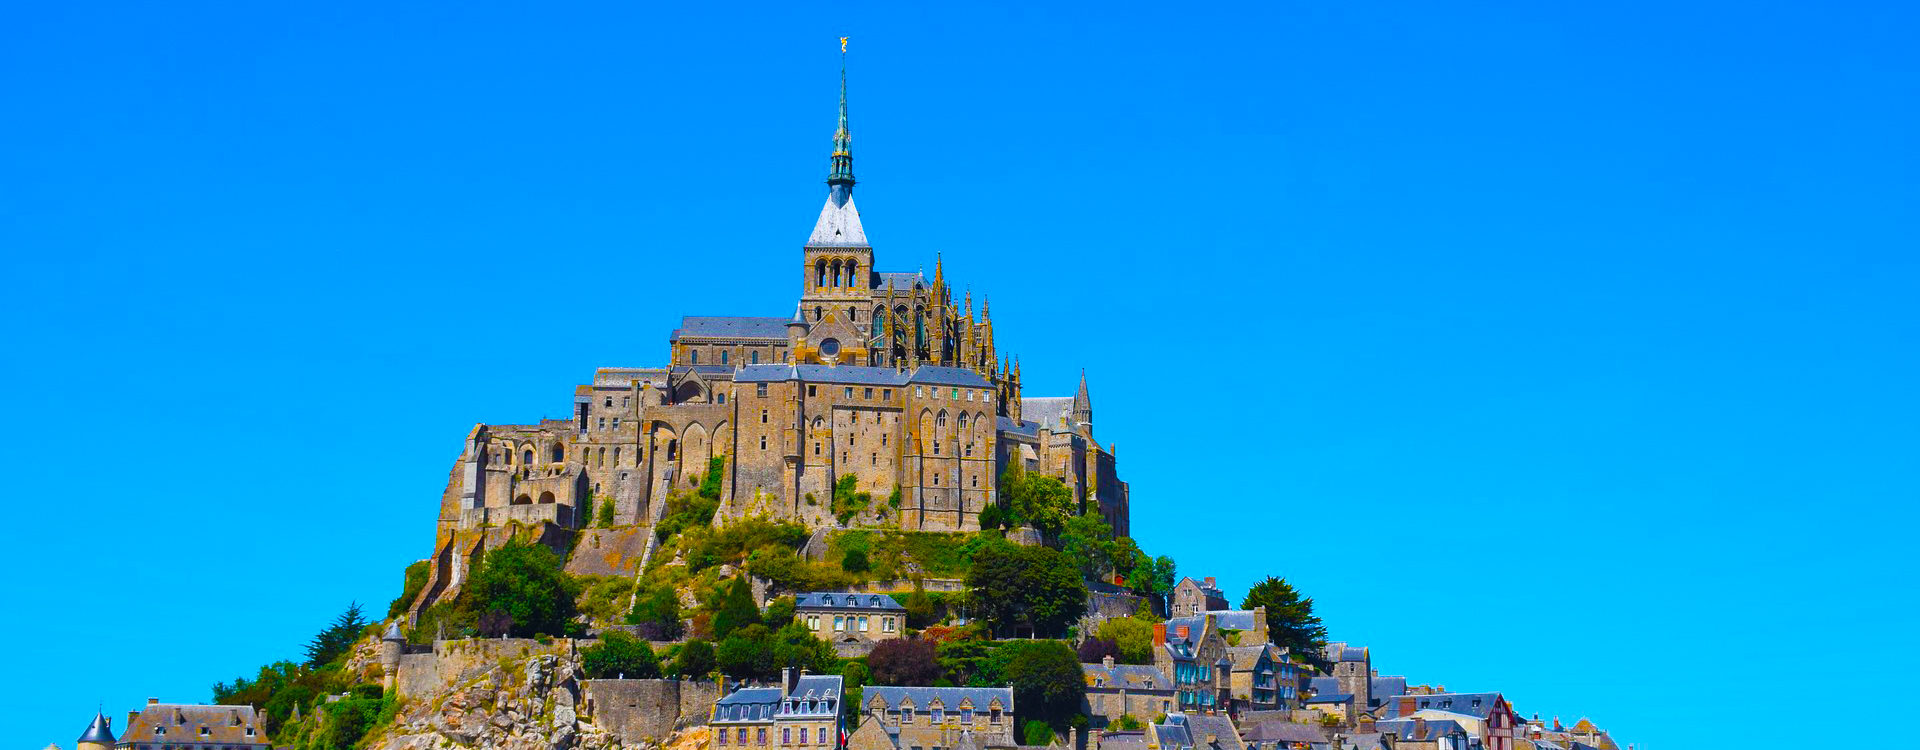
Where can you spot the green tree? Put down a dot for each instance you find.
(1026, 589)
(619, 655)
(1040, 501)
(1132, 636)
(855, 561)
(746, 654)
(736, 609)
(779, 612)
(695, 659)
(524, 581)
(1047, 682)
(336, 639)
(1037, 734)
(1290, 619)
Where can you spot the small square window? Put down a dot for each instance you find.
(813, 391)
(760, 389)
(849, 392)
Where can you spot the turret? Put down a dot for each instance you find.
(390, 646)
(99, 734)
(1082, 413)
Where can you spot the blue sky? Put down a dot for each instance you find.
(1549, 348)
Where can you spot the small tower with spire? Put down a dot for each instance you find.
(1082, 412)
(99, 734)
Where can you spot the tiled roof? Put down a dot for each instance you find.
(731, 327)
(949, 697)
(846, 600)
(1127, 676)
(184, 724)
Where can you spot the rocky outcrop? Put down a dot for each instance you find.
(527, 704)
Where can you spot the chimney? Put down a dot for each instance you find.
(131, 715)
(1073, 738)
(1556, 723)
(1419, 728)
(786, 680)
(1186, 632)
(1210, 582)
(1107, 661)
(1159, 634)
(153, 701)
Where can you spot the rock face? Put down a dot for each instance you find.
(517, 705)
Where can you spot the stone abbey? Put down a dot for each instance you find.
(877, 376)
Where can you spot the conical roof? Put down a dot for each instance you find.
(101, 730)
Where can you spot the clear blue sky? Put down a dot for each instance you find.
(1550, 348)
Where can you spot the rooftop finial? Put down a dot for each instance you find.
(840, 181)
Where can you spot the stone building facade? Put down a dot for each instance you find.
(956, 718)
(880, 379)
(850, 619)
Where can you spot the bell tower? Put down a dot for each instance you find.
(837, 262)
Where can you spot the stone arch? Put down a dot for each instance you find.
(546, 498)
(820, 273)
(523, 499)
(694, 444)
(558, 451)
(690, 391)
(526, 455)
(853, 271)
(722, 439)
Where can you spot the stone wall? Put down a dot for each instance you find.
(637, 710)
(454, 662)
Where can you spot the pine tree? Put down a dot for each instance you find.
(1290, 619)
(334, 641)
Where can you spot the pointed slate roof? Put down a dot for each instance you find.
(839, 226)
(101, 731)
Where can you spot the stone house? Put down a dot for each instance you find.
(1421, 733)
(1262, 677)
(1115, 690)
(1352, 671)
(850, 618)
(934, 718)
(1192, 653)
(1489, 715)
(1191, 597)
(801, 713)
(162, 726)
(1283, 735)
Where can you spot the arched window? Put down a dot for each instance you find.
(696, 356)
(546, 498)
(559, 453)
(820, 273)
(940, 421)
(601, 461)
(527, 458)
(616, 456)
(853, 266)
(723, 356)
(753, 357)
(963, 421)
(836, 273)
(853, 315)
(819, 312)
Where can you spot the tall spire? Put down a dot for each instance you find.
(840, 181)
(1082, 404)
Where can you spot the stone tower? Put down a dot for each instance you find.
(99, 734)
(837, 261)
(390, 646)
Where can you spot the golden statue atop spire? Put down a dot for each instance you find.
(843, 45)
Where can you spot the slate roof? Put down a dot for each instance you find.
(1284, 731)
(225, 725)
(1460, 703)
(1367, 741)
(1046, 411)
(101, 730)
(1435, 728)
(902, 282)
(1123, 741)
(814, 695)
(949, 697)
(731, 327)
(1324, 685)
(1330, 698)
(1029, 429)
(1127, 676)
(845, 600)
(1245, 657)
(747, 704)
(1191, 730)
(1390, 686)
(859, 375)
(838, 226)
(1351, 653)
(1233, 619)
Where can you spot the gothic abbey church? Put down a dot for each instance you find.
(876, 376)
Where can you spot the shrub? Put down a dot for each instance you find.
(657, 611)
(735, 610)
(686, 511)
(848, 501)
(1036, 733)
(695, 659)
(604, 598)
(605, 516)
(779, 611)
(855, 561)
(899, 661)
(619, 655)
(992, 517)
(524, 582)
(1126, 723)
(710, 482)
(1132, 638)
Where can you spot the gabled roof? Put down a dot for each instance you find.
(1461, 703)
(950, 698)
(1246, 657)
(731, 327)
(838, 226)
(1126, 676)
(1049, 412)
(1284, 731)
(183, 722)
(846, 600)
(902, 282)
(1387, 686)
